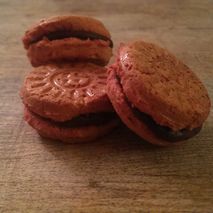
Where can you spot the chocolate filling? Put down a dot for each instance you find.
(91, 119)
(163, 132)
(76, 34)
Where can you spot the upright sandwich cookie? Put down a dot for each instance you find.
(68, 38)
(156, 95)
(68, 102)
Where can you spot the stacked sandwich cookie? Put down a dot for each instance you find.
(65, 95)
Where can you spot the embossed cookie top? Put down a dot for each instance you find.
(64, 91)
(159, 84)
(66, 24)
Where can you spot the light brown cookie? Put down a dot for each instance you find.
(68, 102)
(85, 133)
(63, 91)
(68, 38)
(161, 92)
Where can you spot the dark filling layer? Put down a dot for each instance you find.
(163, 132)
(91, 119)
(76, 34)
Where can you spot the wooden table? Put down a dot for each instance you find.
(119, 173)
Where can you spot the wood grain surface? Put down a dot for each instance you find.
(120, 173)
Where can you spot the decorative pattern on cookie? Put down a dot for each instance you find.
(61, 92)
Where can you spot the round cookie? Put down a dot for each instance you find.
(68, 101)
(63, 91)
(164, 100)
(48, 129)
(68, 38)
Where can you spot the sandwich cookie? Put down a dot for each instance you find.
(68, 102)
(68, 38)
(156, 95)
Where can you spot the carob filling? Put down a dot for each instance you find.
(163, 132)
(76, 34)
(91, 119)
